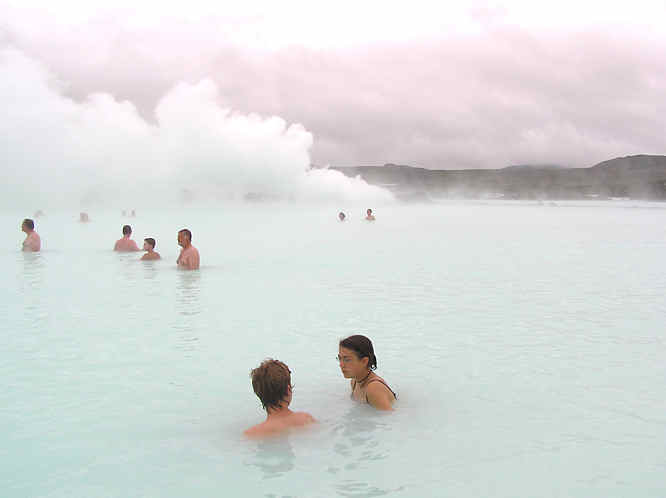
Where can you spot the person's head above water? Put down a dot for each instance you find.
(356, 356)
(271, 382)
(28, 225)
(148, 243)
(369, 212)
(357, 361)
(184, 237)
(127, 230)
(342, 216)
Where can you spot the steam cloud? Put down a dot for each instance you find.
(58, 150)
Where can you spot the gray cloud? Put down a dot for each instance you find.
(504, 95)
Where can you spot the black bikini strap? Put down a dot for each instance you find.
(387, 387)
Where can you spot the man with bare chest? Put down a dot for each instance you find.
(189, 256)
(32, 242)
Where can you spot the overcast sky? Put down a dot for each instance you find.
(467, 85)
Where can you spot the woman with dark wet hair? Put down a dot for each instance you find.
(357, 361)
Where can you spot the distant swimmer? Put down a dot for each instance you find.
(32, 242)
(342, 216)
(133, 213)
(38, 213)
(271, 382)
(126, 244)
(369, 216)
(83, 218)
(124, 213)
(149, 247)
(189, 256)
(357, 360)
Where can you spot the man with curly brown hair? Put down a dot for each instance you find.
(271, 382)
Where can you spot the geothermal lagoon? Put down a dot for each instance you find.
(526, 343)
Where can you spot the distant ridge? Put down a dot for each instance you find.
(524, 167)
(635, 177)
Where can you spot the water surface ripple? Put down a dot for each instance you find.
(526, 344)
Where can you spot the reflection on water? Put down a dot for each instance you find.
(150, 270)
(188, 289)
(127, 271)
(356, 488)
(188, 307)
(274, 457)
(31, 282)
(358, 439)
(33, 268)
(357, 431)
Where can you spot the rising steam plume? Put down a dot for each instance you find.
(60, 151)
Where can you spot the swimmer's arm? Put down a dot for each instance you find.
(378, 396)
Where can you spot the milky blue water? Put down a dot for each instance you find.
(527, 345)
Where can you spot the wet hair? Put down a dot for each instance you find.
(271, 382)
(151, 241)
(29, 223)
(362, 346)
(342, 215)
(186, 232)
(127, 230)
(369, 211)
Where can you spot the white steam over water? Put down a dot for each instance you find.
(102, 151)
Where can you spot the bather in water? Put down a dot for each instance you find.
(357, 361)
(271, 382)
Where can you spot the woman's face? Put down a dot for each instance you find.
(350, 364)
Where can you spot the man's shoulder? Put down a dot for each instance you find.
(302, 418)
(264, 429)
(255, 431)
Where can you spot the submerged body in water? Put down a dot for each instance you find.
(149, 246)
(32, 242)
(189, 255)
(357, 360)
(126, 244)
(271, 382)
